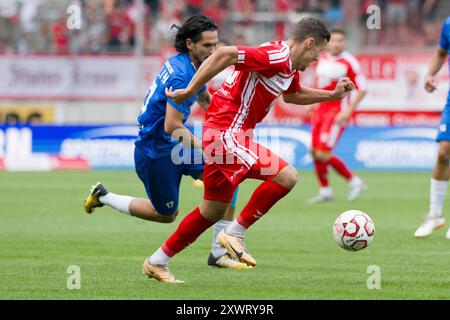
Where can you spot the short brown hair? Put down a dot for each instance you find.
(310, 27)
(340, 31)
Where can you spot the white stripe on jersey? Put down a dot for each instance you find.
(268, 86)
(246, 99)
(241, 56)
(279, 57)
(246, 102)
(169, 67)
(247, 157)
(244, 147)
(242, 97)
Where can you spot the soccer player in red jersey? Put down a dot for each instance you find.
(330, 117)
(261, 75)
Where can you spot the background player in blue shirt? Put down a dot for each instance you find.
(158, 161)
(441, 170)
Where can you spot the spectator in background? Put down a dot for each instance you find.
(153, 5)
(29, 26)
(60, 36)
(332, 12)
(120, 27)
(9, 10)
(96, 27)
(162, 33)
(396, 14)
(216, 10)
(194, 7)
(431, 23)
(313, 6)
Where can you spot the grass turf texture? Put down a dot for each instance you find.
(43, 230)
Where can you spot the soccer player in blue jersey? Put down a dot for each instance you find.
(441, 170)
(158, 161)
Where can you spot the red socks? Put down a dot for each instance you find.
(264, 197)
(340, 167)
(193, 225)
(321, 169)
(321, 173)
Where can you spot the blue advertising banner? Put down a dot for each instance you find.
(111, 146)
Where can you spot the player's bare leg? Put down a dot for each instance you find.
(321, 169)
(323, 159)
(438, 190)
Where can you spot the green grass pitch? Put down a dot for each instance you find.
(43, 231)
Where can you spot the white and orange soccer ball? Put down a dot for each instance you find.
(353, 230)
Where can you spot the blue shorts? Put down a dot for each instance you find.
(444, 125)
(162, 177)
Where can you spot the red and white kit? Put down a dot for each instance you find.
(261, 75)
(325, 133)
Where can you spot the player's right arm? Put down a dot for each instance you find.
(218, 61)
(439, 58)
(436, 64)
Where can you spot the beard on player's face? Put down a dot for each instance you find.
(200, 58)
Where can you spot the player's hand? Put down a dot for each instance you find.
(430, 84)
(342, 117)
(178, 96)
(343, 87)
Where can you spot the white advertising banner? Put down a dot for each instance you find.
(74, 77)
(395, 81)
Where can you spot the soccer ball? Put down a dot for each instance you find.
(353, 230)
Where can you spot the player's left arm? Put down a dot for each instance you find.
(343, 116)
(306, 95)
(204, 99)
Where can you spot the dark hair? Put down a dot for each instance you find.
(192, 29)
(310, 27)
(340, 31)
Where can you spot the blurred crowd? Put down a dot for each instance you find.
(406, 23)
(30, 26)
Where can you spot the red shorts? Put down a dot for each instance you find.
(232, 158)
(325, 133)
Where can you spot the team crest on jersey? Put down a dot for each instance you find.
(443, 127)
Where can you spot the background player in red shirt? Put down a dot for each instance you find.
(330, 117)
(261, 75)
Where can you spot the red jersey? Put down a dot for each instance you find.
(330, 69)
(261, 75)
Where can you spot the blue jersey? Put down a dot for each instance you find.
(177, 72)
(444, 42)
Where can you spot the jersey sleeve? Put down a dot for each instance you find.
(177, 82)
(262, 58)
(295, 85)
(444, 41)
